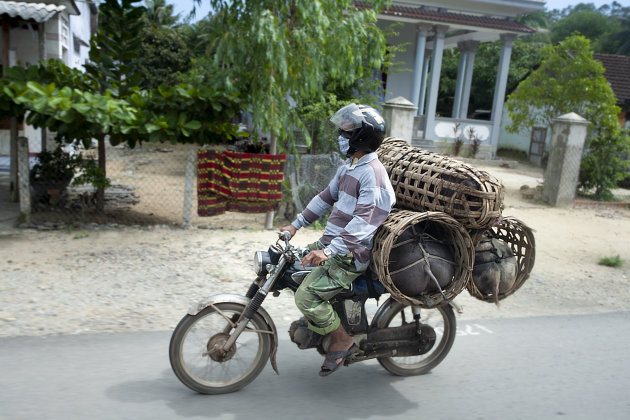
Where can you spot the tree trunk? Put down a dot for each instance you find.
(273, 149)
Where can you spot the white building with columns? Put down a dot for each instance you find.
(430, 27)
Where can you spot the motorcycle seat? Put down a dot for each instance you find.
(361, 287)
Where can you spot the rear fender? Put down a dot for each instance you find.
(242, 300)
(388, 305)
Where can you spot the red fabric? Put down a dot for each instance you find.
(244, 182)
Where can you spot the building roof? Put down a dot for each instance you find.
(439, 16)
(39, 12)
(618, 75)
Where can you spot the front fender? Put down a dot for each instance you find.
(242, 300)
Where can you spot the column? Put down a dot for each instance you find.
(421, 43)
(499, 88)
(434, 81)
(470, 48)
(423, 85)
(459, 84)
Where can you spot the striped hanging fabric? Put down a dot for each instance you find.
(243, 182)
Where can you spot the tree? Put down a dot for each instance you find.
(160, 14)
(570, 80)
(590, 23)
(165, 58)
(623, 36)
(203, 35)
(108, 101)
(280, 54)
(114, 56)
(605, 26)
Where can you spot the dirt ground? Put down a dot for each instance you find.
(106, 279)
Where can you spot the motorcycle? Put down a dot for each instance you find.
(225, 341)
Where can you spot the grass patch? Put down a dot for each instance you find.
(81, 235)
(615, 261)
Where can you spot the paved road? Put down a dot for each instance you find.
(531, 368)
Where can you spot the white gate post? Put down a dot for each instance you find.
(565, 157)
(399, 115)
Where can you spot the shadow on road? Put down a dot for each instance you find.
(298, 392)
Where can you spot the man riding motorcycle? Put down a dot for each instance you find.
(362, 196)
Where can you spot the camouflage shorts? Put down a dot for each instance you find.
(321, 285)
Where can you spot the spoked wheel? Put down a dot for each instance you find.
(199, 360)
(441, 319)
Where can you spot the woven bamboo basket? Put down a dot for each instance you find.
(447, 229)
(520, 239)
(425, 181)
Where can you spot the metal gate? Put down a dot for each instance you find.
(537, 145)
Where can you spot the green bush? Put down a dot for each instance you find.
(511, 153)
(55, 167)
(603, 166)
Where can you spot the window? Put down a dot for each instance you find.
(77, 44)
(64, 33)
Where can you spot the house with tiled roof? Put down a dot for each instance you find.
(35, 30)
(428, 28)
(618, 75)
(39, 30)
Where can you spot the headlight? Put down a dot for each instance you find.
(261, 259)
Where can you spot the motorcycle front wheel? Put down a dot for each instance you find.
(196, 352)
(441, 319)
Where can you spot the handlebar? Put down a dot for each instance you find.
(284, 236)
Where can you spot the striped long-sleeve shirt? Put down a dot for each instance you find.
(363, 197)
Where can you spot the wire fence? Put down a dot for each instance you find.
(150, 186)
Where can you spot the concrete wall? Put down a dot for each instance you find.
(520, 140)
(81, 30)
(24, 43)
(400, 78)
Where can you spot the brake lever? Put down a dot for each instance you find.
(285, 236)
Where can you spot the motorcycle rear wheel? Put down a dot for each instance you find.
(441, 318)
(198, 365)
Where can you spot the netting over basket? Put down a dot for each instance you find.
(520, 239)
(441, 226)
(425, 181)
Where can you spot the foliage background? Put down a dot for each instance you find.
(285, 66)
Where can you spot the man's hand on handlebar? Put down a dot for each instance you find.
(289, 228)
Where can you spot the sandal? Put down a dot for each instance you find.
(330, 362)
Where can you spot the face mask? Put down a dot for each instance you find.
(344, 145)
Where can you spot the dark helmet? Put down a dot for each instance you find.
(362, 124)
